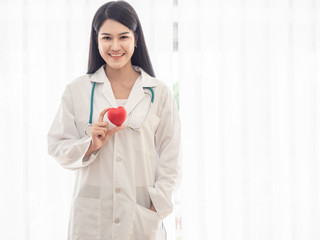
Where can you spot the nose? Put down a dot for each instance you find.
(115, 45)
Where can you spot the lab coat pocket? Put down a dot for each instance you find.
(146, 224)
(86, 218)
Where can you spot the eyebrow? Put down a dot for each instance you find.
(111, 34)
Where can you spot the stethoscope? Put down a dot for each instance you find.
(89, 126)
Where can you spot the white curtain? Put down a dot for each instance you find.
(44, 45)
(250, 107)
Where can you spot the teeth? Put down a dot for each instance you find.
(119, 55)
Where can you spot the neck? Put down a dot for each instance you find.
(123, 74)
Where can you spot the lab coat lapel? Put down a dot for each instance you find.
(108, 93)
(100, 77)
(137, 92)
(136, 95)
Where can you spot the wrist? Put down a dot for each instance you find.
(91, 149)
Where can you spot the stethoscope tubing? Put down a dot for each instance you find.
(152, 92)
(91, 103)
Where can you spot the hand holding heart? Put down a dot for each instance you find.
(100, 131)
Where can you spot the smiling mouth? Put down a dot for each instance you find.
(116, 56)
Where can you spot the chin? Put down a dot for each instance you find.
(117, 66)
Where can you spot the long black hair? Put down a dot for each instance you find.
(123, 13)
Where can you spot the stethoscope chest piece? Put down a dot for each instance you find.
(88, 130)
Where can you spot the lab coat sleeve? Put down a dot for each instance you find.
(167, 140)
(64, 142)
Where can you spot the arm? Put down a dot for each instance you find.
(167, 140)
(90, 150)
(64, 141)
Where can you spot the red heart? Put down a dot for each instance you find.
(117, 115)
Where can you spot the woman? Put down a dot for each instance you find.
(125, 175)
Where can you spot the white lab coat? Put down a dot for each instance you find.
(115, 185)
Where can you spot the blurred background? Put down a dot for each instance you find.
(245, 74)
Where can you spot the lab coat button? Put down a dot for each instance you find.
(116, 220)
(118, 159)
(118, 190)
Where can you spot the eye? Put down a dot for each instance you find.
(106, 38)
(124, 37)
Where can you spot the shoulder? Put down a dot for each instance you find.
(78, 86)
(79, 81)
(160, 85)
(155, 83)
(163, 89)
(163, 93)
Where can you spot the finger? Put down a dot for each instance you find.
(102, 114)
(104, 128)
(100, 124)
(114, 130)
(98, 133)
(100, 128)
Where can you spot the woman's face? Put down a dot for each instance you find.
(116, 44)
